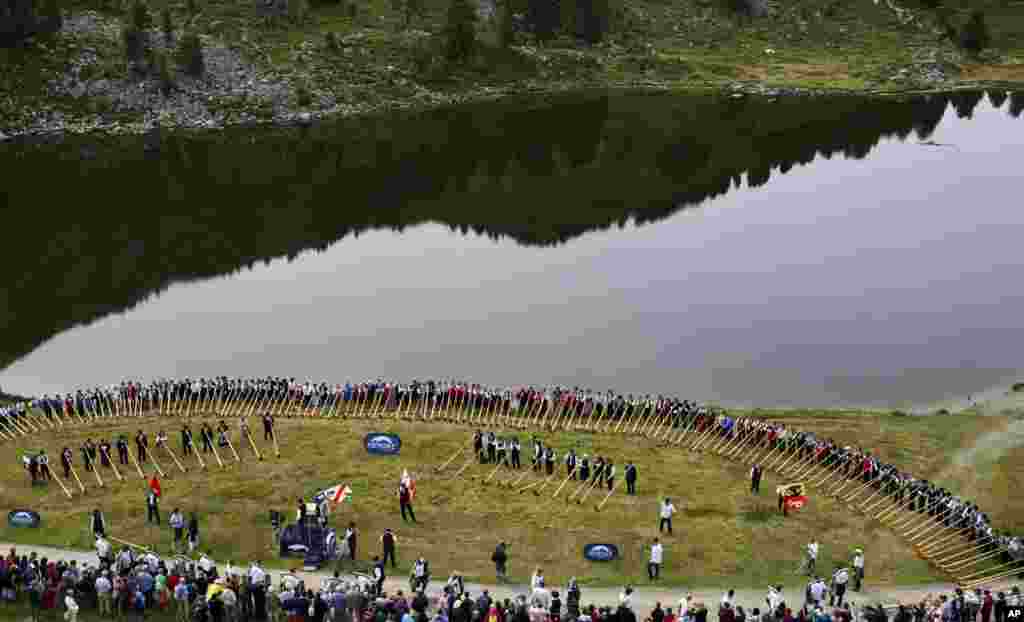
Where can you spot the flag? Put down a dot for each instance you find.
(409, 483)
(154, 485)
(333, 495)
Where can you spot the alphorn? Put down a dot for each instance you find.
(273, 437)
(232, 448)
(464, 467)
(152, 457)
(62, 486)
(213, 446)
(590, 489)
(112, 465)
(137, 467)
(493, 472)
(973, 583)
(517, 481)
(81, 486)
(252, 443)
(564, 482)
(199, 457)
(608, 496)
(167, 448)
(96, 472)
(533, 485)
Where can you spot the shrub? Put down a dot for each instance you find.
(331, 42)
(190, 55)
(164, 74)
(297, 10)
(1018, 387)
(974, 36)
(190, 6)
(141, 19)
(167, 26)
(303, 96)
(134, 44)
(507, 26)
(460, 31)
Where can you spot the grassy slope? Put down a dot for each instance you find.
(689, 44)
(724, 535)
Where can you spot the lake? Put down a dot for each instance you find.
(807, 251)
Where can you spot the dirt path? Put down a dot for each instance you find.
(645, 596)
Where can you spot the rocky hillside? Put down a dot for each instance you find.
(288, 61)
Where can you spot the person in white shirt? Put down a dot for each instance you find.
(684, 604)
(71, 606)
(654, 565)
(626, 598)
(727, 598)
(103, 550)
(774, 598)
(206, 564)
(537, 579)
(817, 591)
(256, 574)
(667, 510)
(858, 569)
(839, 580)
(103, 590)
(812, 557)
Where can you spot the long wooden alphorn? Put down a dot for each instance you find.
(62, 486)
(113, 465)
(81, 486)
(252, 443)
(136, 462)
(608, 496)
(181, 467)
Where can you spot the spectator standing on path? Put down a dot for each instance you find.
(181, 602)
(71, 607)
(667, 510)
(405, 501)
(378, 575)
(177, 522)
(500, 559)
(387, 544)
(193, 533)
(839, 581)
(152, 508)
(350, 539)
(626, 598)
(657, 614)
(654, 565)
(97, 524)
(858, 569)
(103, 594)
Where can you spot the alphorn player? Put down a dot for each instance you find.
(206, 433)
(122, 450)
(44, 464)
(609, 474)
(268, 426)
(186, 440)
(66, 456)
(105, 453)
(222, 434)
(630, 474)
(161, 438)
(570, 464)
(141, 445)
(86, 458)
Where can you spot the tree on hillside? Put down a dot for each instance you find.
(409, 9)
(544, 17)
(190, 55)
(21, 19)
(507, 27)
(974, 36)
(594, 17)
(460, 31)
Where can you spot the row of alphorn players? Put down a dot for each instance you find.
(548, 409)
(575, 408)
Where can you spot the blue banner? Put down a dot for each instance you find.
(601, 552)
(23, 518)
(383, 443)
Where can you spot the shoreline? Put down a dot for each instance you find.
(100, 127)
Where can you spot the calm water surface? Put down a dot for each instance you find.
(652, 248)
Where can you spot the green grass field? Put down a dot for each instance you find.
(724, 535)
